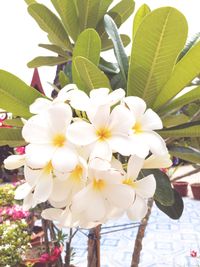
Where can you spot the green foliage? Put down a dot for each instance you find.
(184, 72)
(186, 153)
(90, 75)
(51, 24)
(154, 52)
(103, 7)
(14, 122)
(13, 242)
(63, 79)
(175, 119)
(88, 45)
(69, 16)
(174, 211)
(139, 16)
(11, 137)
(119, 51)
(7, 194)
(55, 49)
(108, 44)
(46, 61)
(16, 96)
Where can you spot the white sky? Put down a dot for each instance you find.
(20, 34)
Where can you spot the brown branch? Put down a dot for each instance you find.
(94, 247)
(140, 235)
(186, 174)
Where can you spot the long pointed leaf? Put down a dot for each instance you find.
(51, 24)
(54, 48)
(159, 39)
(108, 44)
(69, 16)
(16, 96)
(139, 16)
(103, 7)
(46, 61)
(90, 74)
(184, 72)
(186, 153)
(120, 54)
(88, 45)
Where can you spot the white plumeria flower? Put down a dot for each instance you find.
(107, 132)
(25, 192)
(42, 104)
(66, 185)
(97, 97)
(143, 136)
(157, 161)
(46, 133)
(104, 190)
(143, 189)
(14, 162)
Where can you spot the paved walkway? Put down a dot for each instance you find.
(167, 242)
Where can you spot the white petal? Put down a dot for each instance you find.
(97, 210)
(101, 150)
(116, 164)
(44, 188)
(155, 142)
(151, 121)
(81, 133)
(38, 156)
(135, 165)
(121, 144)
(61, 190)
(138, 210)
(116, 96)
(65, 93)
(101, 118)
(29, 202)
(51, 214)
(121, 120)
(136, 105)
(80, 200)
(40, 105)
(32, 176)
(22, 191)
(79, 100)
(138, 146)
(14, 162)
(99, 95)
(120, 195)
(146, 187)
(64, 159)
(157, 162)
(99, 163)
(58, 205)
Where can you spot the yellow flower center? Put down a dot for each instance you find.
(48, 168)
(103, 134)
(59, 140)
(137, 128)
(77, 174)
(130, 182)
(99, 184)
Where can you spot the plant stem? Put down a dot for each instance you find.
(46, 240)
(94, 247)
(140, 235)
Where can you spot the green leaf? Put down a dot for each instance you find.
(88, 45)
(164, 192)
(173, 120)
(63, 79)
(29, 2)
(90, 75)
(181, 101)
(46, 61)
(51, 24)
(16, 96)
(54, 48)
(159, 40)
(186, 153)
(184, 72)
(119, 13)
(139, 16)
(88, 13)
(14, 122)
(108, 67)
(103, 7)
(108, 44)
(175, 211)
(11, 137)
(119, 51)
(191, 129)
(69, 16)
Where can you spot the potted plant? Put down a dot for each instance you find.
(181, 187)
(195, 190)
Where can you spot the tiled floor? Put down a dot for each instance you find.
(167, 242)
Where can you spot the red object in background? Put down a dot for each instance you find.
(36, 82)
(193, 253)
(181, 188)
(196, 190)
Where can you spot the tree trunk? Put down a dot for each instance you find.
(94, 247)
(140, 235)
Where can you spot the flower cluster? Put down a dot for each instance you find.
(85, 153)
(7, 194)
(13, 213)
(52, 256)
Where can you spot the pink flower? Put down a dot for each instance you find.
(55, 253)
(20, 150)
(44, 258)
(193, 253)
